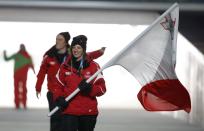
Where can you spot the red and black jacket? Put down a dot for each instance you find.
(70, 79)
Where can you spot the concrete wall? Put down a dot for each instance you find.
(190, 70)
(64, 15)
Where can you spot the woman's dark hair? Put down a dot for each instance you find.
(66, 36)
(53, 52)
(82, 41)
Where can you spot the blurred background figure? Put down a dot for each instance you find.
(22, 62)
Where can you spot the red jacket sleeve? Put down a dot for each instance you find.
(94, 55)
(41, 74)
(98, 86)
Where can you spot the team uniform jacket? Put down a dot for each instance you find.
(81, 104)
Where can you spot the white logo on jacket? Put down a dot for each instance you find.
(87, 74)
(68, 73)
(52, 63)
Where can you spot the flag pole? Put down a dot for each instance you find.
(116, 57)
(175, 40)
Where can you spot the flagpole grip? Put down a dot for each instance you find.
(66, 99)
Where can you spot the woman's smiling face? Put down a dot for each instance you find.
(77, 51)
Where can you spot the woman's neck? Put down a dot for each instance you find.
(62, 51)
(78, 59)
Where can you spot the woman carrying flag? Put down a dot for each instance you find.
(80, 114)
(51, 63)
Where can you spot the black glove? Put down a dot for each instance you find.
(85, 87)
(61, 102)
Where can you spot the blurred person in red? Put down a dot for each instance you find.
(22, 62)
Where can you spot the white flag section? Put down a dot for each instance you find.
(151, 59)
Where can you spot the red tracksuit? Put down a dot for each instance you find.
(81, 105)
(22, 62)
(50, 66)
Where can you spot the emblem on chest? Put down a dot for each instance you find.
(87, 74)
(52, 63)
(68, 73)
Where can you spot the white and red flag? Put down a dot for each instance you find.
(151, 59)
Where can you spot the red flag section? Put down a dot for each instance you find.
(164, 95)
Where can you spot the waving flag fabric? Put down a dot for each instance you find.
(151, 59)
